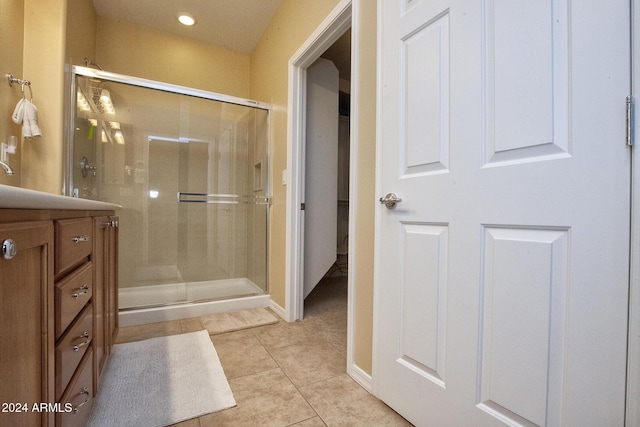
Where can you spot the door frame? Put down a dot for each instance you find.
(633, 359)
(341, 18)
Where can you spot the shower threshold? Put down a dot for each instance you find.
(156, 303)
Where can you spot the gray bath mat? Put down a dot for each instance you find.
(161, 381)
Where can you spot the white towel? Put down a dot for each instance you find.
(30, 126)
(18, 112)
(26, 114)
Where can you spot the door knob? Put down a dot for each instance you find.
(390, 200)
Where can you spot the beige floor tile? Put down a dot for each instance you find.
(264, 399)
(219, 323)
(340, 401)
(306, 364)
(328, 298)
(150, 330)
(254, 317)
(194, 422)
(237, 320)
(284, 334)
(312, 422)
(332, 329)
(191, 325)
(285, 374)
(241, 354)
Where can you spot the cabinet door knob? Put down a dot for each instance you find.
(9, 249)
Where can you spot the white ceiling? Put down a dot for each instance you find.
(233, 24)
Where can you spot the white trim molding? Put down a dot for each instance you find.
(353, 370)
(338, 21)
(633, 359)
(277, 308)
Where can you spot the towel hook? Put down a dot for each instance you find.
(30, 91)
(13, 80)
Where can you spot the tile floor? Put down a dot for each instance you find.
(287, 374)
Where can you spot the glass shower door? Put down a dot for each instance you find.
(190, 173)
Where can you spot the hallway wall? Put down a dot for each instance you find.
(293, 24)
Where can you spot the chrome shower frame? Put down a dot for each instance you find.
(71, 87)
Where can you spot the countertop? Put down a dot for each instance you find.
(22, 198)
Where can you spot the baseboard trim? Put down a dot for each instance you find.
(361, 377)
(185, 311)
(278, 309)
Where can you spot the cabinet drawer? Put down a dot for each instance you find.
(71, 295)
(72, 347)
(79, 394)
(74, 241)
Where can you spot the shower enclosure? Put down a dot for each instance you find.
(189, 168)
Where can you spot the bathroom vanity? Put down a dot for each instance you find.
(58, 305)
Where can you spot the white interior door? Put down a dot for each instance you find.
(501, 287)
(321, 172)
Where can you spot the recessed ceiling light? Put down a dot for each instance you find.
(186, 19)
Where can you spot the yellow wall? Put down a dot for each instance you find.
(140, 52)
(365, 181)
(43, 59)
(80, 32)
(292, 25)
(32, 48)
(11, 35)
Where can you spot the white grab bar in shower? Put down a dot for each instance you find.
(230, 199)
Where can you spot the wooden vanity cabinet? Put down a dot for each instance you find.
(58, 313)
(105, 299)
(26, 324)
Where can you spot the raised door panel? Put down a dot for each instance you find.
(525, 295)
(425, 97)
(423, 284)
(26, 326)
(526, 72)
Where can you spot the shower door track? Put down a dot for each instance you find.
(229, 199)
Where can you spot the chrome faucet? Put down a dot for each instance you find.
(6, 168)
(9, 148)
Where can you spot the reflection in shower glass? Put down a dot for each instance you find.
(191, 175)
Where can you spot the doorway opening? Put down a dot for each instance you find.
(332, 29)
(326, 171)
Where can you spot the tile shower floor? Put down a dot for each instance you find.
(287, 374)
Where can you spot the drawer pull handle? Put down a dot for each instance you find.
(83, 238)
(85, 391)
(82, 344)
(84, 289)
